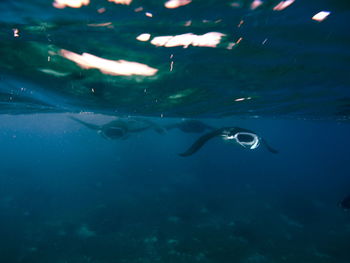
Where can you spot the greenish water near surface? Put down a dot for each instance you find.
(282, 63)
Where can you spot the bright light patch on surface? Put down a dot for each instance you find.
(122, 2)
(149, 14)
(211, 39)
(176, 3)
(143, 37)
(321, 16)
(110, 67)
(161, 41)
(255, 4)
(70, 3)
(242, 99)
(181, 40)
(283, 5)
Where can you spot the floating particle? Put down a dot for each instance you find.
(15, 32)
(231, 45)
(107, 24)
(53, 72)
(139, 9)
(101, 10)
(236, 4)
(188, 23)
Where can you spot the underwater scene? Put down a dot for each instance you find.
(180, 131)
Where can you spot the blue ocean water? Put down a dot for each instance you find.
(90, 165)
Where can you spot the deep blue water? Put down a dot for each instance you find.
(68, 194)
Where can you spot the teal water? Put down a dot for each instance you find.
(73, 191)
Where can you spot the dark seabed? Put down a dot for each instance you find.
(98, 101)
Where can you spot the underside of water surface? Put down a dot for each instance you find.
(202, 59)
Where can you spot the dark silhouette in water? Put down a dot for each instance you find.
(243, 137)
(345, 203)
(121, 128)
(190, 126)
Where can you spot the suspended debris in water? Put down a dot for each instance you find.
(15, 32)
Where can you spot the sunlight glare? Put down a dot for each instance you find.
(171, 4)
(70, 3)
(211, 39)
(122, 2)
(321, 16)
(110, 67)
(283, 5)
